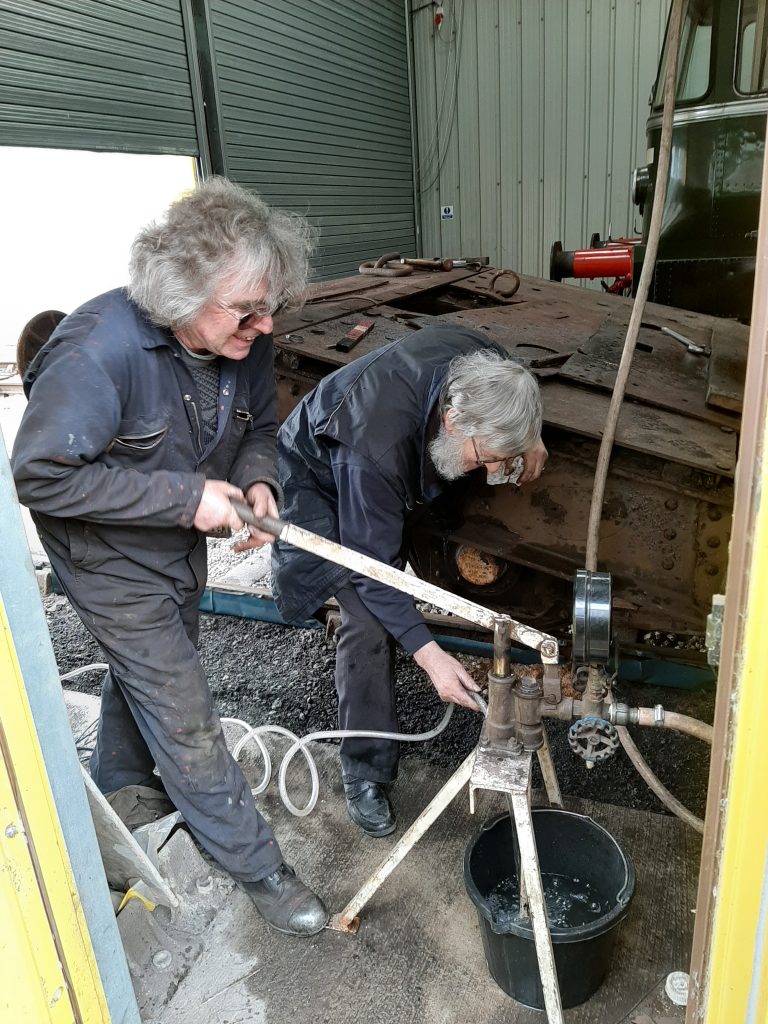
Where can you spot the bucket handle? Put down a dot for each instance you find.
(621, 896)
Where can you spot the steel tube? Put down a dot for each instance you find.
(346, 920)
(531, 874)
(612, 261)
(549, 774)
(418, 588)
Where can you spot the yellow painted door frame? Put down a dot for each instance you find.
(48, 971)
(729, 964)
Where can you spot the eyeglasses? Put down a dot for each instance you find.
(254, 315)
(507, 460)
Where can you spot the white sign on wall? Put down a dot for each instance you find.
(446, 213)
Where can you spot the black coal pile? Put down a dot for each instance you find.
(264, 673)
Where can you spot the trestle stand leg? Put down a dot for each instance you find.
(547, 766)
(347, 919)
(529, 863)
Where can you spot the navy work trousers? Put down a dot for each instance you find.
(157, 710)
(365, 683)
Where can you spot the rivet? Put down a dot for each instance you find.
(671, 504)
(225, 391)
(11, 831)
(670, 534)
(187, 398)
(668, 563)
(712, 570)
(713, 542)
(715, 515)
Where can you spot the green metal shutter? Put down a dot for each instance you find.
(95, 74)
(314, 102)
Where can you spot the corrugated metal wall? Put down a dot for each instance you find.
(95, 74)
(315, 108)
(531, 117)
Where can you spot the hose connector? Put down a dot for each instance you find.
(622, 714)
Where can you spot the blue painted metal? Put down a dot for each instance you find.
(653, 671)
(24, 609)
(649, 670)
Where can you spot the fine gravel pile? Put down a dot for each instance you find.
(264, 673)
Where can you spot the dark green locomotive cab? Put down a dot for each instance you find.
(706, 259)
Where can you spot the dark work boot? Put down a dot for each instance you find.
(369, 806)
(286, 903)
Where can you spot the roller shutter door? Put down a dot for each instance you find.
(95, 74)
(314, 104)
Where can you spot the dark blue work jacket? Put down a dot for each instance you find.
(353, 461)
(109, 455)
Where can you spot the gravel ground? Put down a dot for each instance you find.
(264, 673)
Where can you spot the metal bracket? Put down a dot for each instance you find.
(714, 634)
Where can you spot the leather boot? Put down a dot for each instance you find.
(369, 806)
(286, 904)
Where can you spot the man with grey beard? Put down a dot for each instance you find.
(373, 440)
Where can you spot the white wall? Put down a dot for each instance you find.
(68, 218)
(531, 117)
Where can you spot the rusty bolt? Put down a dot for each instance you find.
(715, 515)
(551, 698)
(712, 570)
(668, 563)
(713, 542)
(671, 504)
(670, 534)
(548, 648)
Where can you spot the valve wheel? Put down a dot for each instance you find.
(593, 739)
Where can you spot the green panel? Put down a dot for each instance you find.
(315, 110)
(95, 74)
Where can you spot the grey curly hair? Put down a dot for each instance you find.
(494, 399)
(218, 232)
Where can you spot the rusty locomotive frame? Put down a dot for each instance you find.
(667, 513)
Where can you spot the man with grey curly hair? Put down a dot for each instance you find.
(150, 407)
(373, 440)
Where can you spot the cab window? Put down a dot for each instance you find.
(695, 57)
(751, 71)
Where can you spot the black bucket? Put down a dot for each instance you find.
(571, 846)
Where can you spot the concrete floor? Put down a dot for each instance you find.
(418, 955)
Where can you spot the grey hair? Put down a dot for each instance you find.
(220, 232)
(495, 399)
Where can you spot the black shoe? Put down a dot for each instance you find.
(369, 807)
(286, 903)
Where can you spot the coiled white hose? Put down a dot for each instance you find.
(255, 732)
